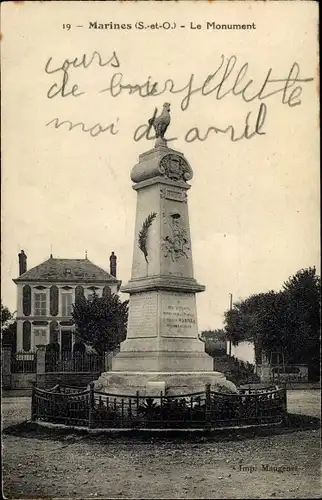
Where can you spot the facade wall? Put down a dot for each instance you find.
(40, 320)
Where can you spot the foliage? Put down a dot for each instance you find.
(6, 316)
(8, 327)
(101, 321)
(287, 321)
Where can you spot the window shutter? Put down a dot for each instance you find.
(53, 300)
(26, 335)
(79, 292)
(53, 331)
(106, 291)
(26, 300)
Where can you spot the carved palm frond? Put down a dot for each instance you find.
(143, 234)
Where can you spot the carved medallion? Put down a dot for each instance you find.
(175, 167)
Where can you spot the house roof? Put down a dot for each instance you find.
(66, 270)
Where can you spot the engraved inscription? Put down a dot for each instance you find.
(178, 317)
(174, 195)
(143, 315)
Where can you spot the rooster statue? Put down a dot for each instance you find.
(160, 124)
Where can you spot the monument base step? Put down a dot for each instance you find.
(162, 361)
(170, 383)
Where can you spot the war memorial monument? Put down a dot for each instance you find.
(162, 351)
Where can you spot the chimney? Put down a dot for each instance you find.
(22, 262)
(113, 264)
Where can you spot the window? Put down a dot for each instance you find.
(40, 336)
(40, 304)
(66, 303)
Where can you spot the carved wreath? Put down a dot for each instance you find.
(143, 234)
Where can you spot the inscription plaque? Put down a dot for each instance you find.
(174, 194)
(178, 315)
(143, 315)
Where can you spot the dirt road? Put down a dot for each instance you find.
(278, 466)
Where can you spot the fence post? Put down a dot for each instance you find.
(33, 402)
(137, 400)
(284, 405)
(208, 408)
(6, 367)
(91, 405)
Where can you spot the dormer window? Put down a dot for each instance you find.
(68, 271)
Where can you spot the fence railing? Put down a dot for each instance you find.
(23, 362)
(78, 362)
(202, 410)
(288, 377)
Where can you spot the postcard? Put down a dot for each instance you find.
(160, 159)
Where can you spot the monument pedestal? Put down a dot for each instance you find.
(162, 351)
(169, 383)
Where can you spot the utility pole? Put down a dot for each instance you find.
(230, 308)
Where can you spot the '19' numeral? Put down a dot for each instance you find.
(67, 27)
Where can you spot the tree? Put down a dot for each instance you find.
(287, 321)
(8, 328)
(259, 318)
(101, 321)
(304, 308)
(6, 316)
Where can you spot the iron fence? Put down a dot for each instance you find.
(288, 377)
(77, 362)
(23, 362)
(201, 410)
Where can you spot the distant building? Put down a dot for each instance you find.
(45, 295)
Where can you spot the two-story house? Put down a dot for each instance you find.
(45, 295)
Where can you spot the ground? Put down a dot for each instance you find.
(44, 466)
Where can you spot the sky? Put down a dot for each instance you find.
(253, 203)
